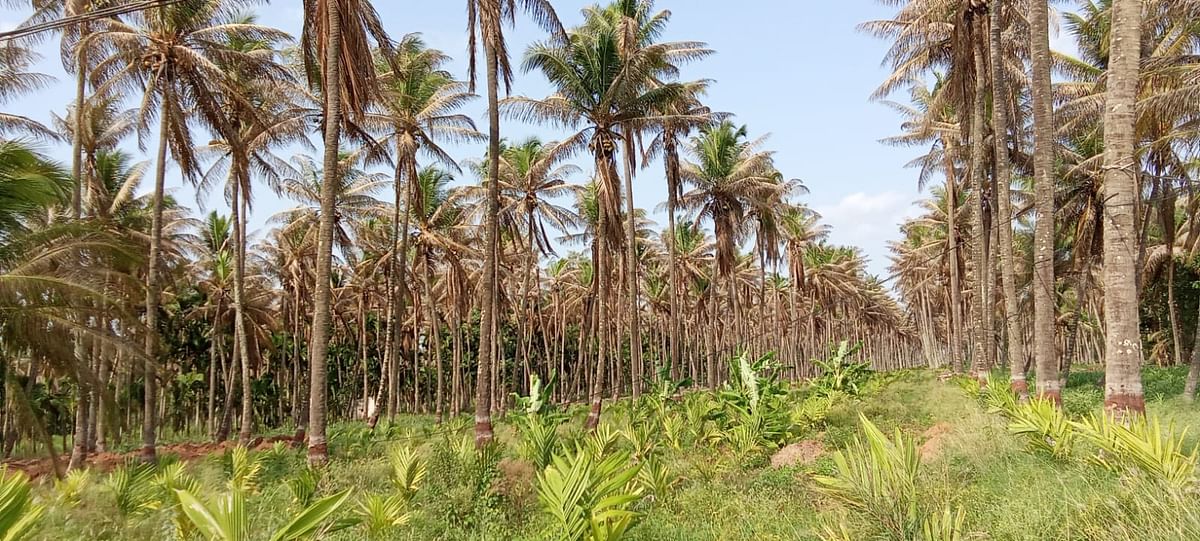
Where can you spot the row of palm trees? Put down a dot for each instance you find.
(355, 298)
(1080, 183)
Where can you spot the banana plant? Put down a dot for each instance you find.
(839, 373)
(226, 519)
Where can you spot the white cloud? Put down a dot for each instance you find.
(869, 221)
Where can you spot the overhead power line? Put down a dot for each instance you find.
(103, 13)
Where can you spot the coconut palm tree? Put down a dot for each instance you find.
(101, 126)
(248, 138)
(1123, 345)
(15, 80)
(731, 179)
(173, 55)
(676, 123)
(354, 192)
(485, 23)
(1003, 184)
(606, 86)
(441, 239)
(932, 121)
(532, 177)
(417, 113)
(1045, 348)
(336, 48)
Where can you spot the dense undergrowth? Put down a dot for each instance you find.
(886, 456)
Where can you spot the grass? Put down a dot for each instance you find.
(1007, 491)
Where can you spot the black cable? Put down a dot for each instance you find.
(103, 13)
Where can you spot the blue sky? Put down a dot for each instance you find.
(795, 69)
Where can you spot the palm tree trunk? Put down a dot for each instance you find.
(671, 159)
(318, 452)
(602, 323)
(631, 261)
(981, 312)
(1044, 299)
(433, 341)
(401, 302)
(239, 281)
(1003, 188)
(101, 406)
(956, 317)
(1123, 345)
(1193, 377)
(79, 448)
(213, 354)
(1166, 215)
(362, 349)
(149, 452)
(487, 331)
(456, 384)
(77, 141)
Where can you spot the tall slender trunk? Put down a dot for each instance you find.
(1123, 344)
(1166, 216)
(1193, 377)
(79, 451)
(433, 341)
(631, 261)
(487, 331)
(671, 161)
(602, 261)
(81, 64)
(401, 300)
(214, 339)
(83, 403)
(100, 399)
(981, 311)
(956, 316)
(318, 452)
(1003, 188)
(149, 452)
(241, 173)
(362, 348)
(1044, 299)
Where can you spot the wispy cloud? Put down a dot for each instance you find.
(868, 221)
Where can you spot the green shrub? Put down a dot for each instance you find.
(1082, 401)
(539, 437)
(225, 518)
(134, 490)
(1045, 427)
(244, 470)
(1162, 383)
(70, 489)
(877, 477)
(302, 486)
(407, 471)
(18, 514)
(1137, 510)
(589, 498)
(1143, 445)
(381, 515)
(841, 374)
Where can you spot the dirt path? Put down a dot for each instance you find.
(104, 462)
